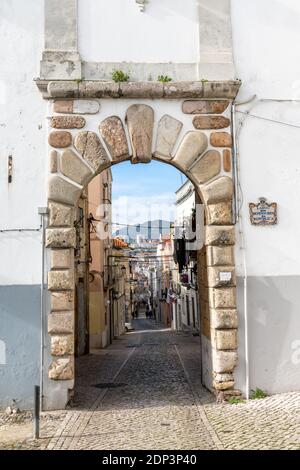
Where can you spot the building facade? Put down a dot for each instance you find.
(99, 204)
(186, 313)
(228, 120)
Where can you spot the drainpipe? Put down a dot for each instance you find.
(237, 218)
(42, 211)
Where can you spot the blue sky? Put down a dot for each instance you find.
(144, 191)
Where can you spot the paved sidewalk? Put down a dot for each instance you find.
(144, 392)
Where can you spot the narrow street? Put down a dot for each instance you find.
(144, 392)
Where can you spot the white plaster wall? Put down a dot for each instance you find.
(269, 152)
(115, 31)
(22, 135)
(266, 38)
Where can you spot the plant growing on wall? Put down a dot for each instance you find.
(258, 393)
(119, 76)
(164, 78)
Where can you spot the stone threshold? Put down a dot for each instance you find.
(138, 90)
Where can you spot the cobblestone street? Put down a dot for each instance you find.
(144, 392)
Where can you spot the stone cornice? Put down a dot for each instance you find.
(82, 89)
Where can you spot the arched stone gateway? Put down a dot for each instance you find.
(83, 141)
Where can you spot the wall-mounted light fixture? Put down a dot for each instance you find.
(9, 168)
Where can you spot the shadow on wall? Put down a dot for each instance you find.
(274, 333)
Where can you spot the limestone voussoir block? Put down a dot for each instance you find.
(227, 160)
(219, 235)
(220, 256)
(72, 166)
(221, 139)
(219, 213)
(61, 190)
(218, 276)
(224, 361)
(207, 167)
(67, 122)
(89, 146)
(223, 318)
(62, 369)
(61, 323)
(76, 106)
(60, 139)
(219, 190)
(193, 144)
(223, 385)
(223, 377)
(167, 134)
(211, 122)
(62, 301)
(222, 297)
(61, 280)
(224, 339)
(61, 215)
(61, 259)
(62, 345)
(140, 120)
(204, 106)
(53, 161)
(113, 134)
(60, 238)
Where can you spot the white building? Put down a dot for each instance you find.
(186, 313)
(62, 51)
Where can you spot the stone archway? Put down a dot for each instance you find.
(78, 152)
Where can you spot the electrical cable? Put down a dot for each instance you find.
(297, 126)
(4, 230)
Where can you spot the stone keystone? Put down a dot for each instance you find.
(91, 149)
(113, 134)
(193, 144)
(139, 119)
(167, 134)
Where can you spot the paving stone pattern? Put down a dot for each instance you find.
(149, 396)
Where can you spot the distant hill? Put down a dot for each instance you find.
(150, 230)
